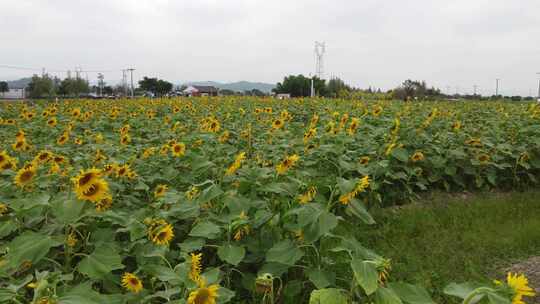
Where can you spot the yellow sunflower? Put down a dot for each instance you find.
(97, 191)
(52, 122)
(203, 294)
(104, 204)
(364, 160)
(287, 163)
(520, 286)
(417, 156)
(131, 282)
(25, 175)
(196, 267)
(85, 179)
(63, 138)
(277, 124)
(163, 235)
(160, 190)
(178, 149)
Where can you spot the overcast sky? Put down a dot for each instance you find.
(376, 43)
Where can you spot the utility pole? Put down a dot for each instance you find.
(538, 87)
(100, 83)
(497, 87)
(124, 82)
(131, 72)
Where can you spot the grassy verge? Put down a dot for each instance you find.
(455, 240)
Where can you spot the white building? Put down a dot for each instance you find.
(13, 93)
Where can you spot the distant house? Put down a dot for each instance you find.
(196, 90)
(283, 96)
(14, 93)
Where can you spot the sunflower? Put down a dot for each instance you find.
(63, 138)
(148, 152)
(520, 287)
(76, 112)
(236, 164)
(364, 160)
(377, 110)
(123, 170)
(125, 139)
(43, 156)
(19, 144)
(224, 137)
(4, 158)
(287, 163)
(308, 196)
(192, 193)
(196, 267)
(178, 149)
(9, 164)
(160, 190)
(25, 175)
(3, 209)
(109, 169)
(456, 126)
(104, 204)
(309, 134)
(483, 158)
(131, 282)
(417, 156)
(355, 122)
(20, 135)
(85, 179)
(97, 191)
(162, 235)
(277, 124)
(78, 141)
(203, 294)
(52, 122)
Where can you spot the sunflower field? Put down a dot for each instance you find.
(238, 199)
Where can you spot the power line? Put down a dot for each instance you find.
(54, 70)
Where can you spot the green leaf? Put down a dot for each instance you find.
(84, 294)
(207, 230)
(101, 262)
(66, 210)
(400, 154)
(411, 294)
(284, 252)
(231, 254)
(358, 209)
(328, 296)
(209, 194)
(321, 278)
(29, 246)
(366, 275)
(386, 296)
(6, 228)
(459, 290)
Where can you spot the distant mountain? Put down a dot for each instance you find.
(19, 84)
(238, 86)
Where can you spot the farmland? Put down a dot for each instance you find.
(238, 199)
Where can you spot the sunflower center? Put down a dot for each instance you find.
(93, 190)
(202, 296)
(85, 179)
(133, 281)
(26, 176)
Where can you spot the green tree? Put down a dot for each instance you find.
(156, 86)
(41, 87)
(415, 89)
(73, 87)
(4, 87)
(337, 88)
(300, 86)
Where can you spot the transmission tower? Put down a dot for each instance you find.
(320, 49)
